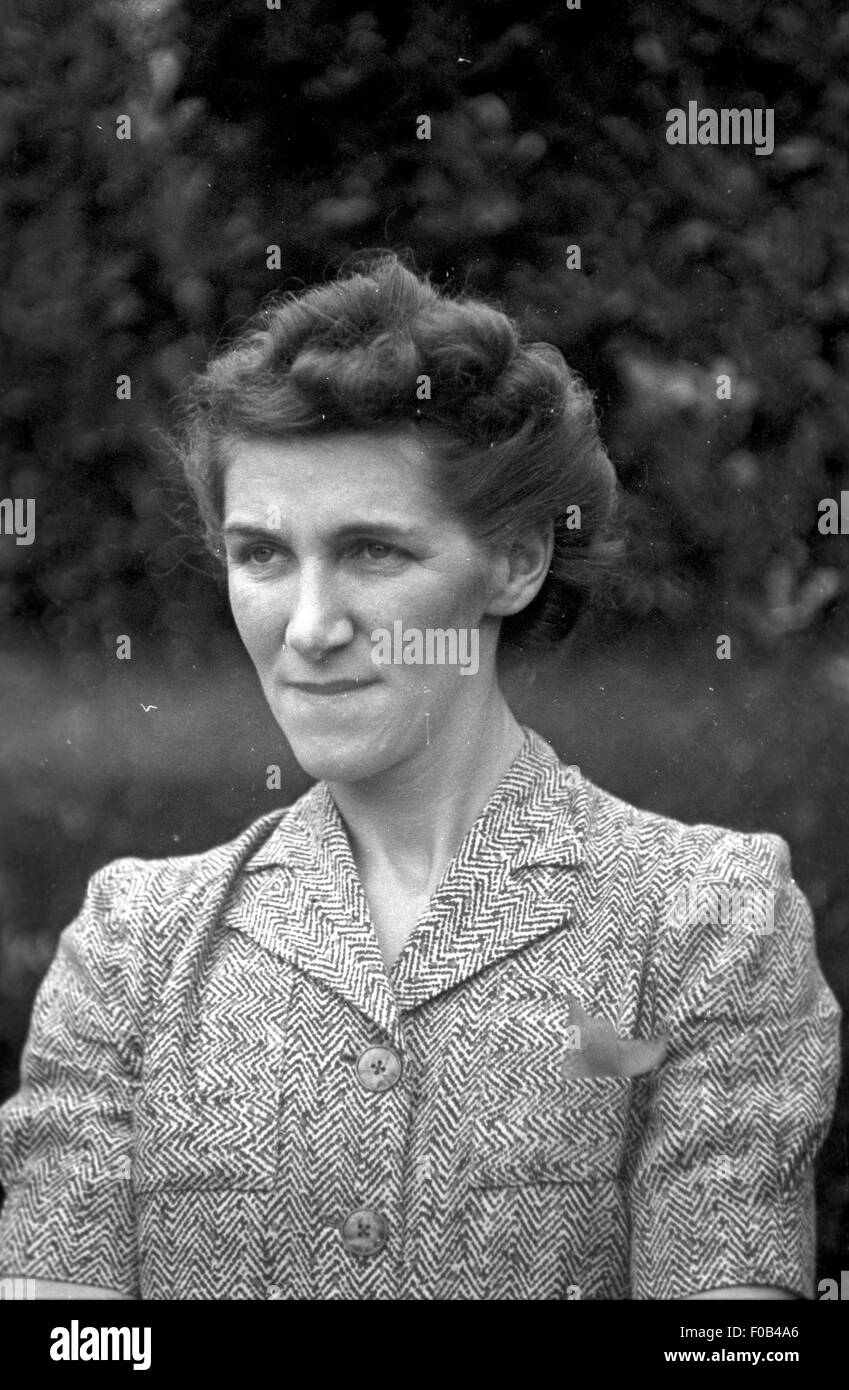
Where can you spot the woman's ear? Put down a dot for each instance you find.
(519, 569)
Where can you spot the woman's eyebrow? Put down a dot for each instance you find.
(372, 525)
(249, 528)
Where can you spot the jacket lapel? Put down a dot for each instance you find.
(304, 901)
(512, 881)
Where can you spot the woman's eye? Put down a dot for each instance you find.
(377, 550)
(260, 554)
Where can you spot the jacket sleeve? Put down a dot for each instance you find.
(66, 1136)
(722, 1184)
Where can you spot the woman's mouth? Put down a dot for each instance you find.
(330, 687)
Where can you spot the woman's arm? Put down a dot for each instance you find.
(722, 1183)
(66, 1140)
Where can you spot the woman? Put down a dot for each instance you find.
(457, 1024)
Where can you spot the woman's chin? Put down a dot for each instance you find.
(333, 756)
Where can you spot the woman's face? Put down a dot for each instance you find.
(330, 541)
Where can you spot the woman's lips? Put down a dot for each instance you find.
(329, 687)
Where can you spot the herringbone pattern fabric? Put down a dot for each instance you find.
(191, 1124)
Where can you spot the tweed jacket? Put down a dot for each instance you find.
(579, 1080)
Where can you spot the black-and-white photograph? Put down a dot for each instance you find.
(424, 543)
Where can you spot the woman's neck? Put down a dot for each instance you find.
(410, 824)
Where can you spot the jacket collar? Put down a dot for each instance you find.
(536, 815)
(503, 889)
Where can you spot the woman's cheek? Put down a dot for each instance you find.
(447, 602)
(257, 613)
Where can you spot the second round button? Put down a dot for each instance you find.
(378, 1068)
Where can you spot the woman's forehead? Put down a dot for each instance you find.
(328, 472)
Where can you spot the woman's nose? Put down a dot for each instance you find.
(318, 620)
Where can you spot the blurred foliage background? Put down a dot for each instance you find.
(253, 127)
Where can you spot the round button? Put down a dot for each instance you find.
(378, 1068)
(365, 1232)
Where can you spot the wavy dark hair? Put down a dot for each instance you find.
(510, 429)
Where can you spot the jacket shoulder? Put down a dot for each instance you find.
(134, 887)
(669, 850)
